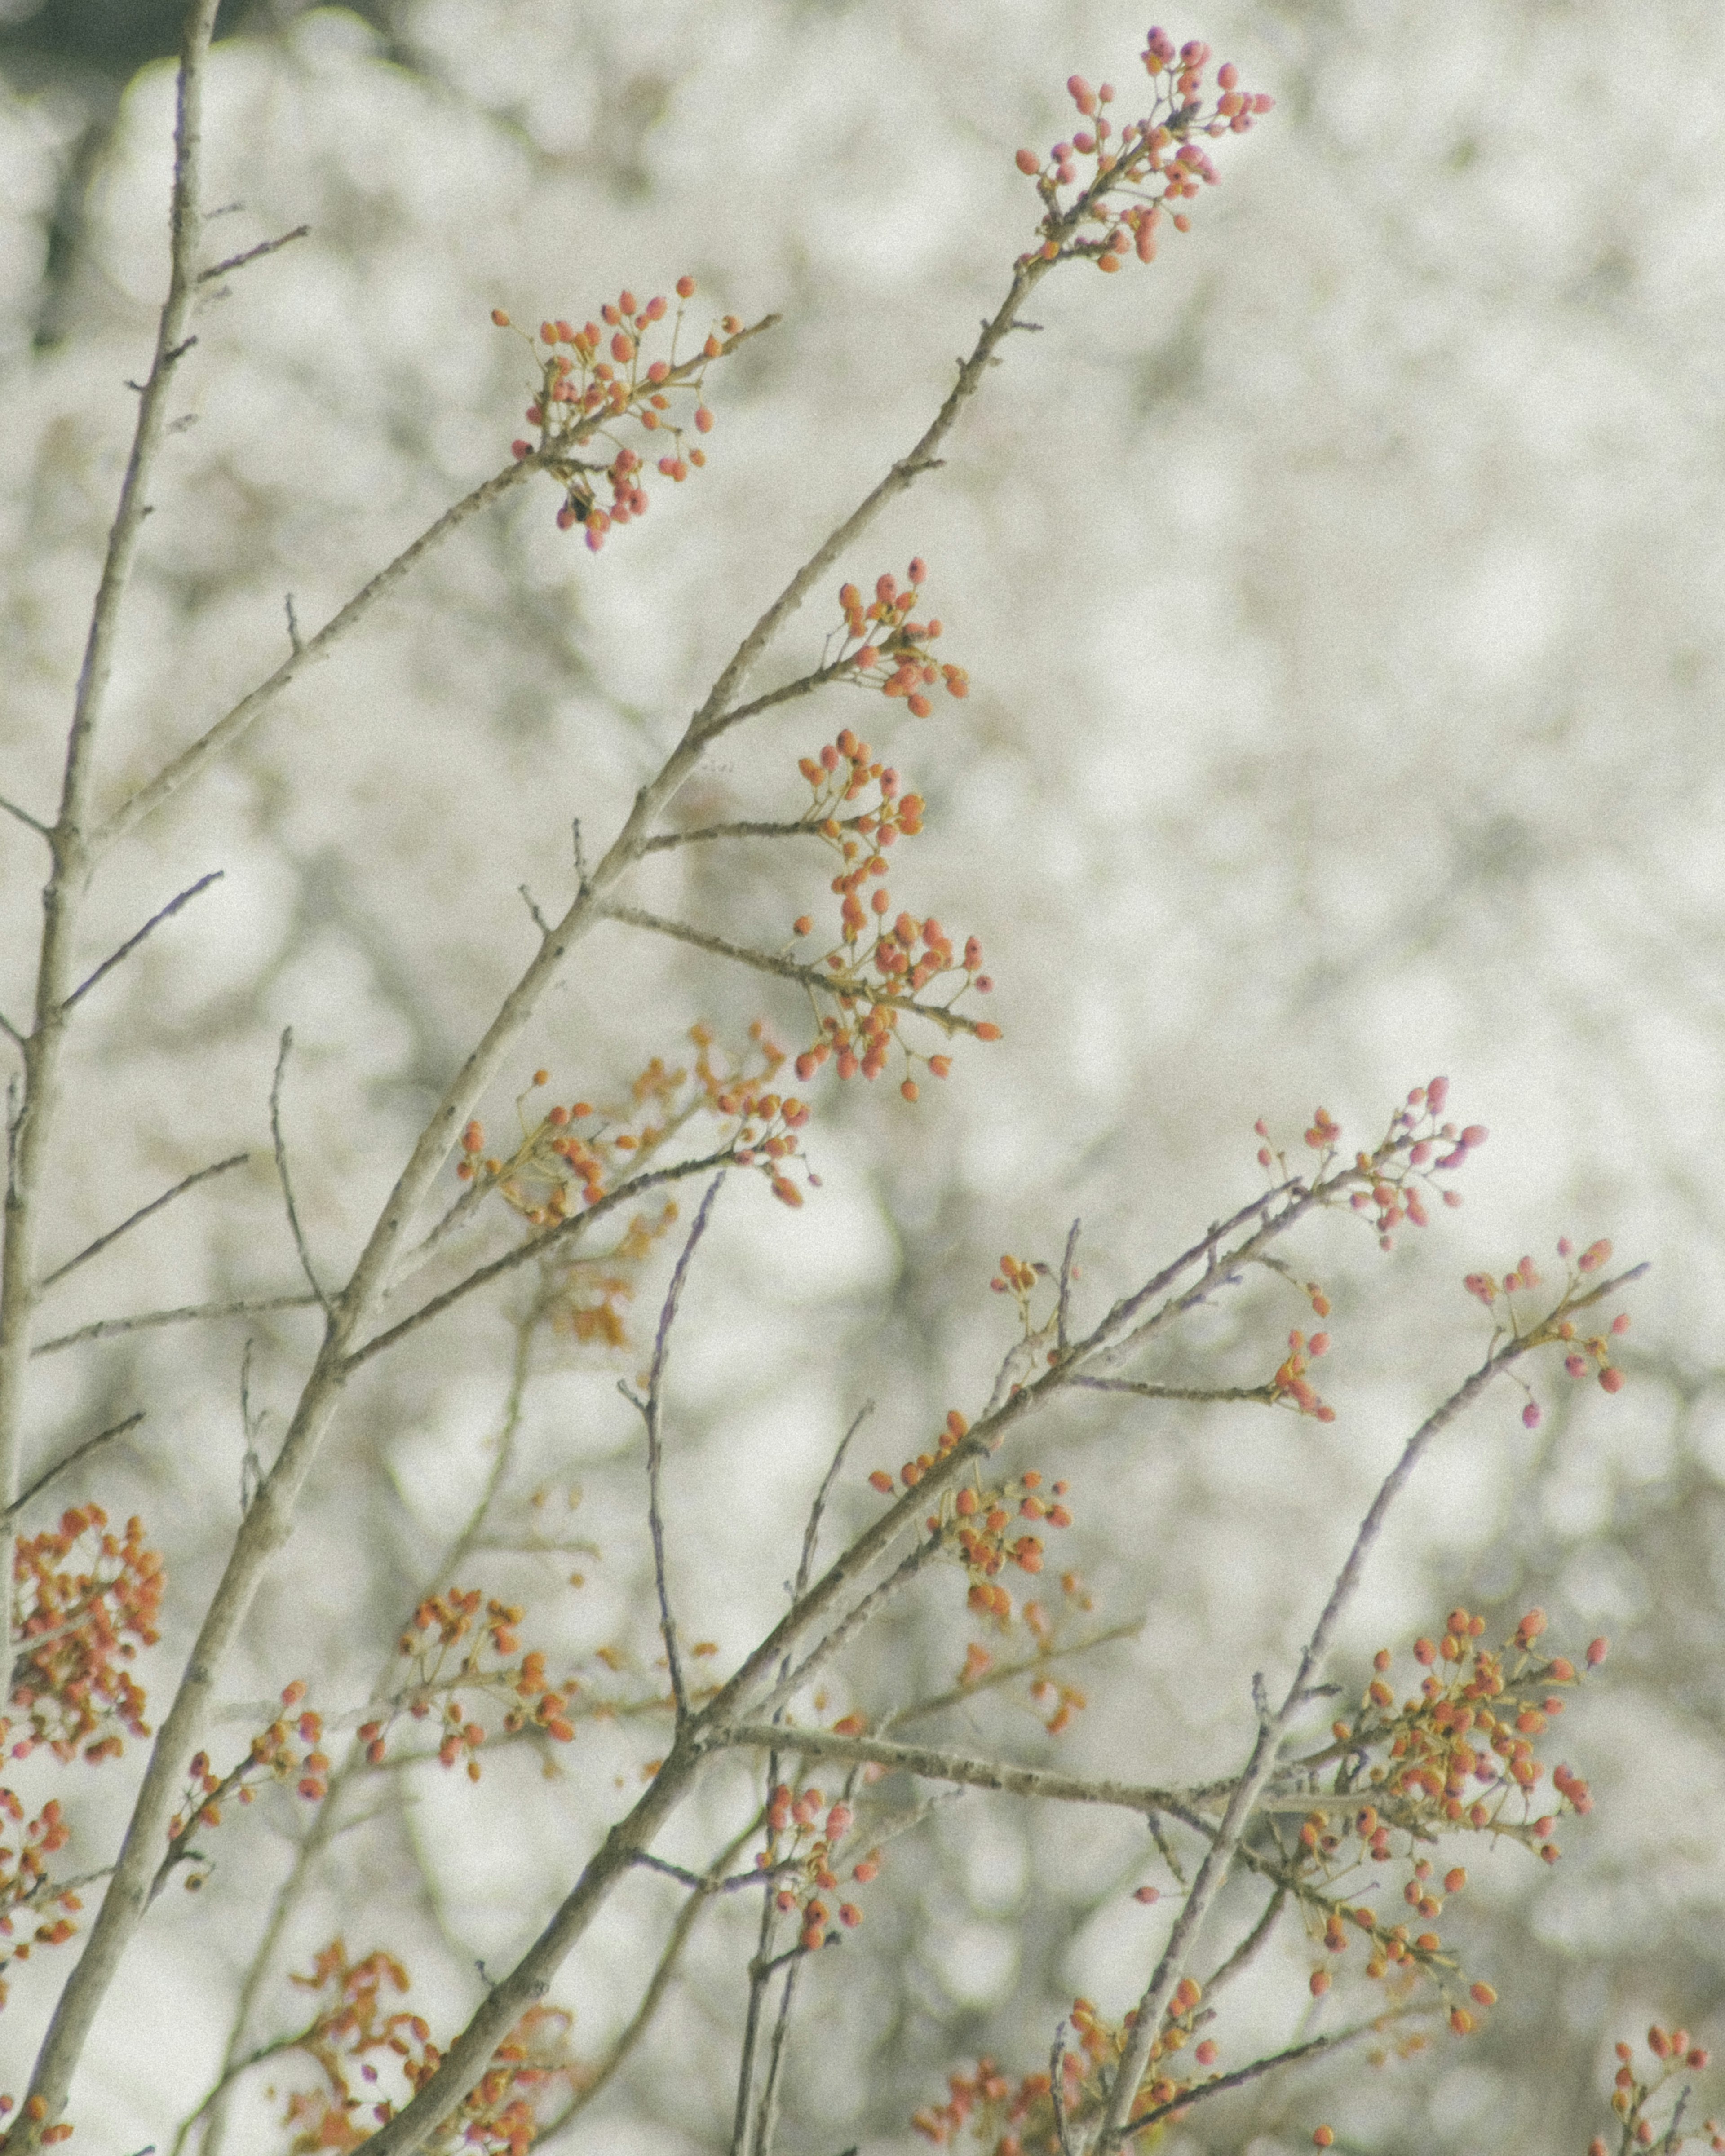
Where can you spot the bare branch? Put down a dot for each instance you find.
(131, 942)
(1063, 1304)
(11, 1031)
(77, 1452)
(186, 1183)
(1218, 1859)
(848, 984)
(651, 1411)
(196, 758)
(281, 1169)
(1264, 1395)
(29, 821)
(855, 1620)
(767, 2112)
(253, 255)
(803, 828)
(811, 1533)
(1002, 1673)
(110, 1328)
(1242, 2075)
(32, 1131)
(541, 1245)
(1057, 2090)
(933, 1765)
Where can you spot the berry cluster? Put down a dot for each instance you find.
(974, 1523)
(24, 1884)
(462, 1641)
(802, 1851)
(573, 1155)
(289, 1749)
(1389, 1184)
(1583, 1357)
(1457, 1756)
(356, 2038)
(589, 383)
(86, 1599)
(1634, 2094)
(881, 640)
(1149, 165)
(1018, 2117)
(977, 1525)
(879, 967)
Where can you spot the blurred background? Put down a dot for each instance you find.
(1341, 597)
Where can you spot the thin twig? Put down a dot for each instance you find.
(185, 1183)
(651, 1411)
(657, 1985)
(1057, 2089)
(1252, 1944)
(854, 1621)
(746, 827)
(253, 255)
(1219, 1857)
(281, 1170)
(77, 1452)
(131, 942)
(811, 1533)
(29, 821)
(704, 1882)
(1242, 2075)
(110, 1328)
(1065, 1297)
(767, 2112)
(760, 1976)
(544, 1244)
(820, 978)
(11, 1031)
(934, 1765)
(1264, 1395)
(1002, 1673)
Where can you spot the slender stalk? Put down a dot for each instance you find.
(69, 840)
(652, 1411)
(1219, 1857)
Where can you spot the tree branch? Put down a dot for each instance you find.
(541, 1245)
(31, 1130)
(77, 1452)
(93, 1249)
(1218, 1858)
(110, 1328)
(817, 977)
(131, 942)
(281, 1170)
(253, 255)
(651, 1412)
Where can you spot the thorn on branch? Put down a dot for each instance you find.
(293, 622)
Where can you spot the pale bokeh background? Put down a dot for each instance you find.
(1341, 597)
